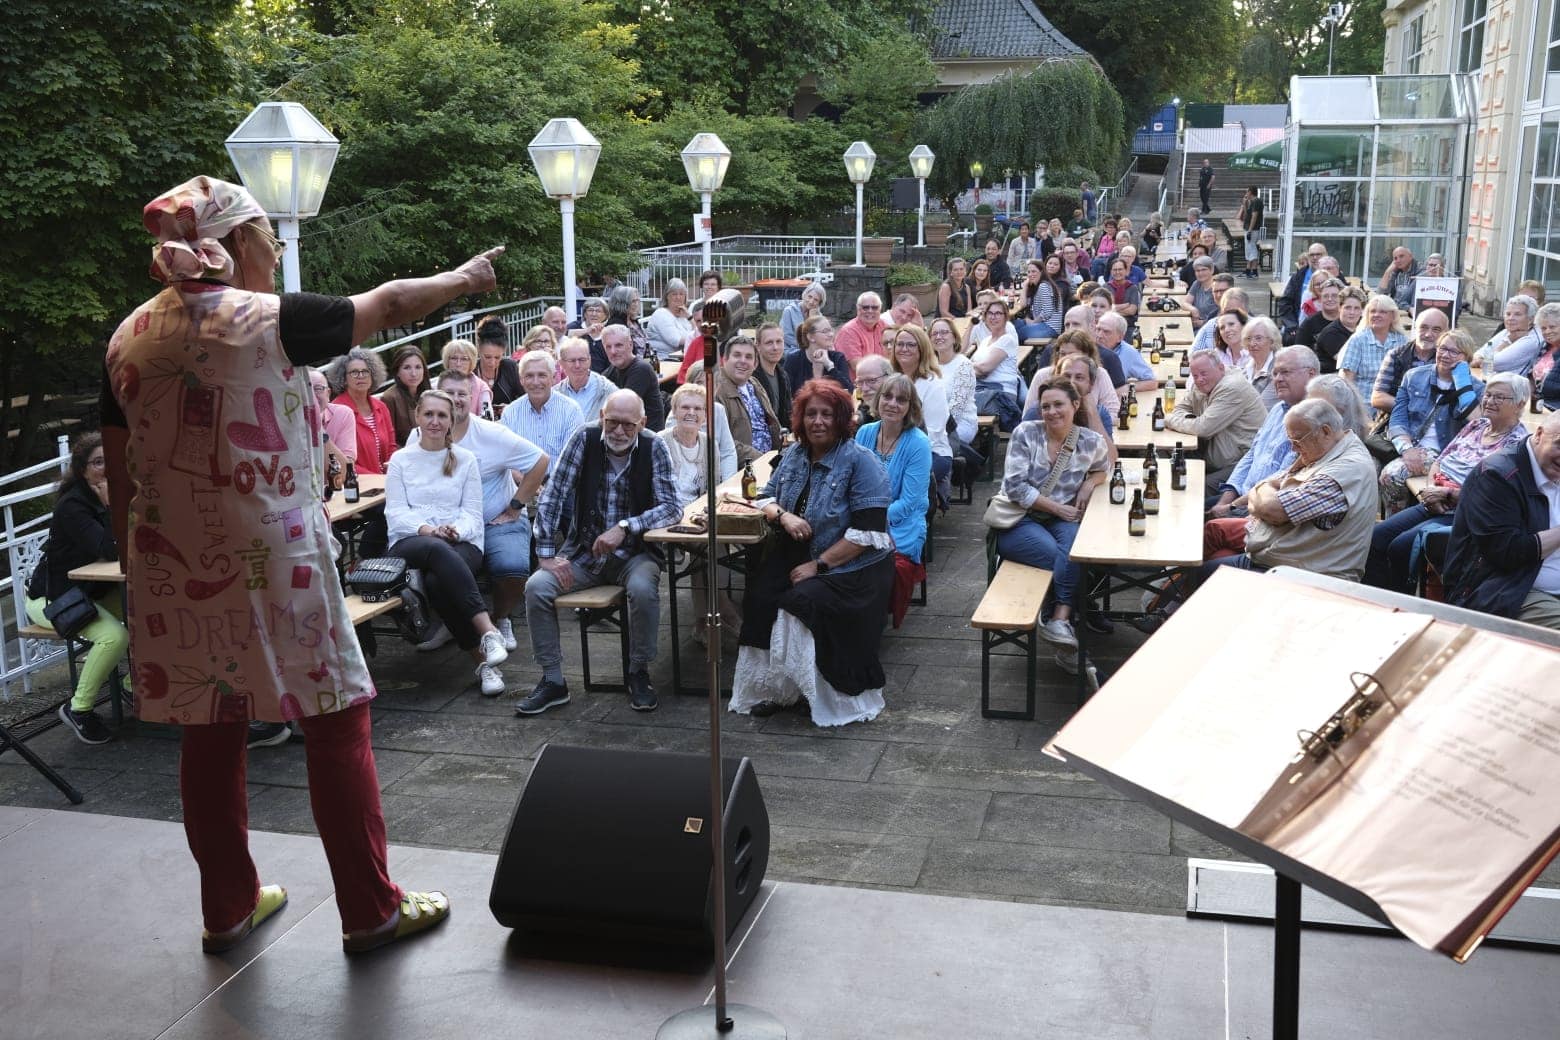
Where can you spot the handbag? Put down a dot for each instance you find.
(378, 578)
(1003, 514)
(71, 613)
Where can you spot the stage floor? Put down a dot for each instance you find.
(101, 939)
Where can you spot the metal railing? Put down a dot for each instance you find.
(518, 315)
(741, 259)
(1119, 190)
(21, 539)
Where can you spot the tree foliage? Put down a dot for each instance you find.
(1151, 50)
(1063, 114)
(1287, 38)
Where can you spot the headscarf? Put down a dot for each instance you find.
(188, 223)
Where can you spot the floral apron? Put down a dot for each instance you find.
(233, 606)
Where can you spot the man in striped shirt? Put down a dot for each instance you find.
(542, 417)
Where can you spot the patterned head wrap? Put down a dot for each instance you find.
(188, 222)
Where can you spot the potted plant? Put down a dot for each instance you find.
(937, 231)
(918, 279)
(877, 252)
(983, 215)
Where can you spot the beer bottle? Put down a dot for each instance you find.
(1177, 469)
(1132, 402)
(1186, 364)
(1533, 401)
(749, 483)
(1153, 353)
(1137, 518)
(1124, 417)
(349, 488)
(1159, 415)
(1151, 493)
(1150, 462)
(1118, 486)
(487, 409)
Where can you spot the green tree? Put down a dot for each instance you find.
(102, 107)
(1287, 38)
(1153, 49)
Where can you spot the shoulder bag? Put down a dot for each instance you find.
(1003, 514)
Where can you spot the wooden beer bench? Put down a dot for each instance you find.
(1008, 615)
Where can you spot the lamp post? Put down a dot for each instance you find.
(1331, 19)
(705, 159)
(859, 160)
(565, 155)
(921, 159)
(976, 169)
(284, 156)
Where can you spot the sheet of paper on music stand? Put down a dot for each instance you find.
(1249, 723)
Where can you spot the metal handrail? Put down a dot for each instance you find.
(19, 659)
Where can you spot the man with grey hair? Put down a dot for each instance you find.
(613, 483)
(1318, 513)
(1199, 298)
(870, 372)
(629, 372)
(1340, 393)
(1222, 410)
(543, 417)
(1504, 554)
(1109, 335)
(1397, 281)
(557, 319)
(863, 334)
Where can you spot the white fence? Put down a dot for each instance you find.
(518, 317)
(741, 259)
(22, 540)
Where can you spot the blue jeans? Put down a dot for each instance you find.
(641, 579)
(507, 548)
(1392, 547)
(1033, 330)
(1044, 544)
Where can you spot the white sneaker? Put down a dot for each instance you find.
(506, 628)
(441, 636)
(1058, 632)
(491, 678)
(493, 651)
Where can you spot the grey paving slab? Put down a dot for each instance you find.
(1192, 843)
(1090, 877)
(986, 769)
(462, 734)
(821, 854)
(14, 818)
(474, 777)
(285, 765)
(1081, 823)
(22, 785)
(781, 755)
(886, 808)
(905, 720)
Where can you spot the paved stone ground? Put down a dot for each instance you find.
(929, 797)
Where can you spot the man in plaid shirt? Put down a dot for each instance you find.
(612, 483)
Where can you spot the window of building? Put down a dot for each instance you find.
(1472, 17)
(1413, 45)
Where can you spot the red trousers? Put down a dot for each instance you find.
(1224, 537)
(343, 791)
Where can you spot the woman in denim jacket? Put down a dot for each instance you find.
(1432, 406)
(813, 615)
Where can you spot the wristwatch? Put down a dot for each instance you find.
(623, 523)
(823, 568)
(516, 504)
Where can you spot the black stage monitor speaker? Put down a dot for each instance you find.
(617, 844)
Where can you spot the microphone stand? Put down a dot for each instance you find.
(719, 321)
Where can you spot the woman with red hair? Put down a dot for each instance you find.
(813, 615)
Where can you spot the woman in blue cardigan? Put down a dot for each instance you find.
(899, 441)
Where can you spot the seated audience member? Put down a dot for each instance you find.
(1497, 427)
(1078, 224)
(460, 355)
(1109, 334)
(906, 311)
(1135, 272)
(627, 371)
(557, 319)
(493, 364)
(1432, 406)
(670, 327)
(1001, 273)
(999, 389)
(506, 542)
(686, 446)
(624, 308)
(1260, 340)
(1376, 337)
(1199, 294)
(1397, 281)
(1230, 297)
(954, 297)
(1516, 345)
(958, 379)
(980, 279)
(1502, 557)
(798, 311)
(913, 356)
(1222, 410)
(433, 508)
(1100, 396)
(1429, 327)
(1317, 514)
(542, 416)
(1543, 372)
(1336, 335)
(748, 409)
(812, 619)
(337, 426)
(1081, 319)
(357, 372)
(409, 378)
(1217, 253)
(538, 337)
(1326, 271)
(1328, 293)
(710, 283)
(1270, 452)
(725, 447)
(868, 378)
(1339, 392)
(816, 357)
(1042, 299)
(80, 533)
(593, 319)
(614, 483)
(1289, 303)
(770, 373)
(1125, 294)
(1229, 329)
(899, 441)
(581, 384)
(1058, 441)
(1024, 248)
(863, 334)
(1075, 265)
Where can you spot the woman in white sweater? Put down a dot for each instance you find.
(685, 441)
(433, 508)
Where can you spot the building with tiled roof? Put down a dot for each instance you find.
(976, 41)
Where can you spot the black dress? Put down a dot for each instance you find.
(1329, 344)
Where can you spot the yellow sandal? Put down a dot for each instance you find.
(272, 899)
(418, 912)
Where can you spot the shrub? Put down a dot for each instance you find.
(1058, 203)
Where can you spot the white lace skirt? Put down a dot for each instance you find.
(788, 670)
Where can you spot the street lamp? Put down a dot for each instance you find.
(1331, 19)
(705, 159)
(284, 156)
(565, 155)
(921, 159)
(859, 159)
(976, 169)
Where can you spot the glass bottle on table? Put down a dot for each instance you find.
(1132, 401)
(1137, 516)
(1186, 363)
(1124, 416)
(1150, 461)
(349, 487)
(1118, 486)
(1151, 493)
(749, 483)
(1159, 415)
(1178, 469)
(1169, 395)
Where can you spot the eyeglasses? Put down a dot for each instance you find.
(96, 461)
(618, 424)
(1295, 442)
(1498, 399)
(277, 245)
(353, 373)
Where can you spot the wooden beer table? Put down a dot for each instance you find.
(371, 495)
(1177, 327)
(1140, 433)
(1105, 553)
